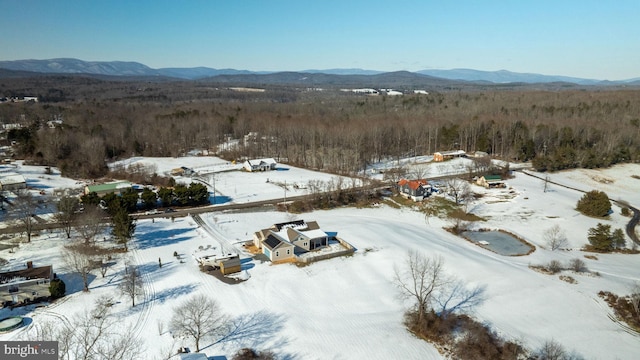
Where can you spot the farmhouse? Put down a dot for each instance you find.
(12, 182)
(260, 164)
(491, 181)
(415, 190)
(446, 155)
(117, 188)
(26, 284)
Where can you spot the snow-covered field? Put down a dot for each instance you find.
(348, 307)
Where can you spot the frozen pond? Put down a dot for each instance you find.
(499, 242)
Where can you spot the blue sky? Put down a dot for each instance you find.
(588, 39)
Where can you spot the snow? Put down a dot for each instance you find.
(348, 307)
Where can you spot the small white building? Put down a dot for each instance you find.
(260, 164)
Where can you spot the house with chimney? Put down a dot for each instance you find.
(26, 284)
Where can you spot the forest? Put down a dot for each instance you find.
(324, 129)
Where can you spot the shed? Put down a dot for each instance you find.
(12, 182)
(230, 266)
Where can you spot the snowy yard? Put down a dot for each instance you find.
(348, 307)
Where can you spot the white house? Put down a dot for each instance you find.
(260, 164)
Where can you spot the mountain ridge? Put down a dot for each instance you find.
(132, 68)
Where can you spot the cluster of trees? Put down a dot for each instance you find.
(130, 200)
(331, 130)
(601, 238)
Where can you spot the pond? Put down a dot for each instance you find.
(499, 242)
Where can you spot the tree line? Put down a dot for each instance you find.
(334, 131)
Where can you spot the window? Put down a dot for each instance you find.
(288, 251)
(277, 253)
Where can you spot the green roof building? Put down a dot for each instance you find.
(102, 189)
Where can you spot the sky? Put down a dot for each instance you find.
(586, 38)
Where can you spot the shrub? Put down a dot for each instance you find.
(594, 203)
(57, 288)
(577, 265)
(250, 354)
(625, 211)
(554, 266)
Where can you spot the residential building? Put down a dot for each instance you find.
(446, 155)
(415, 190)
(117, 188)
(491, 181)
(26, 284)
(260, 164)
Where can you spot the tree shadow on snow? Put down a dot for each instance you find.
(253, 331)
(160, 238)
(174, 292)
(73, 282)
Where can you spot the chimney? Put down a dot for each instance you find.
(29, 264)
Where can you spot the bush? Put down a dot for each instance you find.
(577, 265)
(57, 288)
(554, 266)
(250, 354)
(625, 211)
(594, 203)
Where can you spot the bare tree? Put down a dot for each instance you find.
(90, 224)
(68, 208)
(94, 334)
(551, 350)
(25, 206)
(198, 318)
(459, 189)
(420, 279)
(555, 238)
(83, 259)
(131, 284)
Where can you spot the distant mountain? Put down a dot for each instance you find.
(133, 69)
(344, 72)
(75, 66)
(111, 68)
(504, 76)
(397, 80)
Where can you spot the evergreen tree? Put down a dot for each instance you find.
(600, 237)
(166, 196)
(198, 193)
(594, 203)
(57, 288)
(618, 240)
(149, 199)
(124, 227)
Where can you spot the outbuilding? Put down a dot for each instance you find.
(12, 182)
